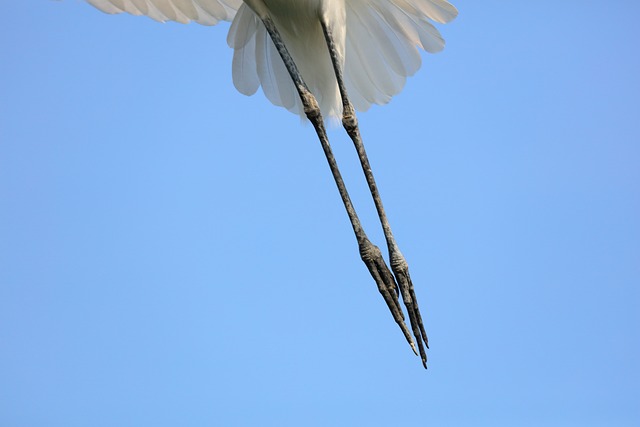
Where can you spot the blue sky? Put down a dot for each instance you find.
(175, 253)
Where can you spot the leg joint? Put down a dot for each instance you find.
(369, 251)
(397, 260)
(349, 120)
(311, 108)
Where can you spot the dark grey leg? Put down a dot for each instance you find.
(369, 253)
(398, 263)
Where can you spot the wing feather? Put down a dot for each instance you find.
(376, 70)
(187, 8)
(206, 12)
(381, 49)
(242, 38)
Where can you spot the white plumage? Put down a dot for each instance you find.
(378, 41)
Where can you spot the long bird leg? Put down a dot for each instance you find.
(369, 253)
(398, 263)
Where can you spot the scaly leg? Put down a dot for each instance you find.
(369, 253)
(398, 263)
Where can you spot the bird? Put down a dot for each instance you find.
(323, 60)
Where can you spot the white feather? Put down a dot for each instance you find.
(377, 43)
(242, 39)
(206, 12)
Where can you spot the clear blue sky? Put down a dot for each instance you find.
(173, 253)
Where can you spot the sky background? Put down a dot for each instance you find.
(175, 253)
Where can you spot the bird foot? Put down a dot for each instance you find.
(401, 272)
(372, 257)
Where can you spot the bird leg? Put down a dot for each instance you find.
(398, 263)
(370, 254)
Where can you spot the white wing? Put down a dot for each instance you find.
(381, 49)
(206, 12)
(383, 37)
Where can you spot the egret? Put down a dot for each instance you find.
(307, 55)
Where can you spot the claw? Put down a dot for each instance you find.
(401, 271)
(372, 257)
(413, 347)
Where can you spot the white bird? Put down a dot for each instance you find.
(307, 55)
